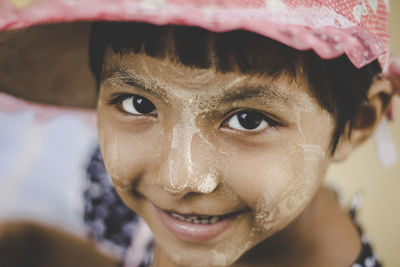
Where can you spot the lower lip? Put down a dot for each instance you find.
(194, 232)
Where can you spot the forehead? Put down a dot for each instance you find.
(166, 77)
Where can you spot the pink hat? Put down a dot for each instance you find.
(357, 28)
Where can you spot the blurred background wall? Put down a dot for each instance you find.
(380, 214)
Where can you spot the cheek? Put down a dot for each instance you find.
(307, 168)
(124, 152)
(279, 186)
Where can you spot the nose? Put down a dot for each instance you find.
(189, 164)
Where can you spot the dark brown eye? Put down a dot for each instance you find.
(138, 105)
(248, 120)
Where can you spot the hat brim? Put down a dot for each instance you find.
(53, 61)
(48, 64)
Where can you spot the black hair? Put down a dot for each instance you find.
(339, 87)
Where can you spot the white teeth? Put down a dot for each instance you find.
(204, 221)
(213, 219)
(177, 216)
(197, 219)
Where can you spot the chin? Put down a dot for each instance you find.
(201, 257)
(222, 252)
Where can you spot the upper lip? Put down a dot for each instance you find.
(189, 209)
(192, 213)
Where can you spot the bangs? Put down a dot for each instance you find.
(194, 47)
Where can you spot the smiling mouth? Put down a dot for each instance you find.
(199, 219)
(196, 228)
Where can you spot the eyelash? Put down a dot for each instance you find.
(118, 99)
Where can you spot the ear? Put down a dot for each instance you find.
(367, 119)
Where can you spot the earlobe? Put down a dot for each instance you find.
(367, 118)
(343, 149)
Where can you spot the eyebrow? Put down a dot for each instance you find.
(247, 92)
(118, 75)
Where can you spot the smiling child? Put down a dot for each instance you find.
(218, 121)
(221, 141)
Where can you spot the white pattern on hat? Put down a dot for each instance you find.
(374, 5)
(278, 5)
(359, 11)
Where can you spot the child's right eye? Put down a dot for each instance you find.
(134, 104)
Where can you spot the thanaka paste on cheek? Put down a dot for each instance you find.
(299, 190)
(275, 209)
(111, 161)
(227, 252)
(115, 152)
(109, 149)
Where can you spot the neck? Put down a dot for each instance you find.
(322, 235)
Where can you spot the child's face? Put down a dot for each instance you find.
(208, 144)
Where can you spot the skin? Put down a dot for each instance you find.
(188, 158)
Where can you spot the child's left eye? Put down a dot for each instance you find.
(249, 121)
